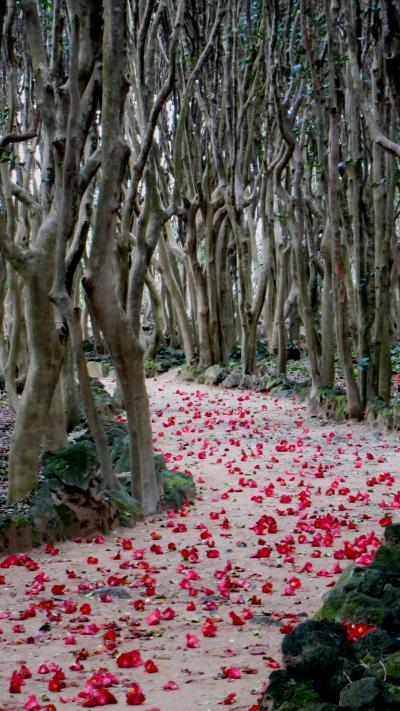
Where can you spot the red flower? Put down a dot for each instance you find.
(135, 695)
(236, 620)
(16, 681)
(128, 660)
(150, 666)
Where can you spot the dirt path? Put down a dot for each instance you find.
(284, 503)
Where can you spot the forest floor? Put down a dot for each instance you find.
(204, 595)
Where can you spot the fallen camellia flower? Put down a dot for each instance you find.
(135, 695)
(128, 660)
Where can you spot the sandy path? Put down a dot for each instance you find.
(322, 488)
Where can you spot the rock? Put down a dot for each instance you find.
(246, 382)
(333, 601)
(215, 375)
(366, 580)
(362, 608)
(392, 534)
(373, 646)
(120, 454)
(128, 509)
(391, 601)
(74, 466)
(280, 689)
(190, 372)
(315, 648)
(232, 380)
(95, 369)
(177, 487)
(387, 560)
(106, 404)
(361, 695)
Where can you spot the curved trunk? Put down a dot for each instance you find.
(42, 377)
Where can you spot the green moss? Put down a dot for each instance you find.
(359, 608)
(392, 666)
(191, 372)
(387, 557)
(304, 696)
(129, 510)
(66, 515)
(74, 465)
(178, 488)
(21, 520)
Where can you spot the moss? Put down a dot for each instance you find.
(152, 368)
(178, 488)
(129, 510)
(66, 515)
(74, 465)
(387, 558)
(304, 696)
(360, 608)
(191, 372)
(21, 520)
(392, 666)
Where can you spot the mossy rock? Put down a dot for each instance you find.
(159, 463)
(360, 608)
(177, 487)
(383, 415)
(129, 510)
(330, 403)
(120, 454)
(387, 560)
(191, 372)
(201, 379)
(45, 516)
(333, 603)
(215, 374)
(232, 380)
(392, 534)
(361, 695)
(73, 466)
(17, 533)
(374, 646)
(105, 402)
(365, 580)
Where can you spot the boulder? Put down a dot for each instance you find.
(215, 375)
(177, 488)
(232, 380)
(361, 608)
(361, 695)
(190, 373)
(74, 466)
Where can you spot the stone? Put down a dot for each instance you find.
(361, 695)
(362, 608)
(95, 368)
(190, 372)
(246, 382)
(365, 580)
(73, 466)
(373, 646)
(128, 509)
(215, 375)
(333, 602)
(177, 488)
(392, 534)
(387, 560)
(232, 380)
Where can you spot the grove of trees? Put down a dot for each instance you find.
(232, 165)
